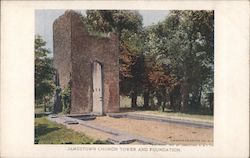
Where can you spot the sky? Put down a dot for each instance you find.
(44, 21)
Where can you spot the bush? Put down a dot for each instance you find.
(66, 98)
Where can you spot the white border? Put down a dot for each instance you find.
(231, 127)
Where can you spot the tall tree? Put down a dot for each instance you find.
(44, 73)
(184, 42)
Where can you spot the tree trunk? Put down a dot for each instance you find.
(164, 103)
(152, 102)
(211, 101)
(185, 86)
(134, 99)
(146, 99)
(44, 107)
(171, 101)
(164, 99)
(159, 102)
(167, 100)
(184, 102)
(199, 98)
(184, 96)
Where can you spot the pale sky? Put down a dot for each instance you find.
(44, 20)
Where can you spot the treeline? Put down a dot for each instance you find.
(172, 61)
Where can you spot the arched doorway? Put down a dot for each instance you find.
(97, 88)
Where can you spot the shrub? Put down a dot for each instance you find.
(66, 98)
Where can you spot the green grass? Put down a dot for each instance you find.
(179, 115)
(47, 132)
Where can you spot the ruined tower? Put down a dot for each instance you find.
(90, 63)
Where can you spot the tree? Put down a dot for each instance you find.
(44, 73)
(184, 42)
(132, 78)
(116, 21)
(159, 78)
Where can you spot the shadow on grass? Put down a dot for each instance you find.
(43, 129)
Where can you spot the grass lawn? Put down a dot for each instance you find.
(47, 132)
(179, 115)
(125, 105)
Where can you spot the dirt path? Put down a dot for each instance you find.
(96, 134)
(168, 133)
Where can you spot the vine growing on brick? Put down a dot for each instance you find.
(66, 98)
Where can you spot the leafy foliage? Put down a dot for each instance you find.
(114, 21)
(184, 44)
(44, 73)
(66, 98)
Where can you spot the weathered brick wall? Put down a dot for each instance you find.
(62, 48)
(84, 50)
